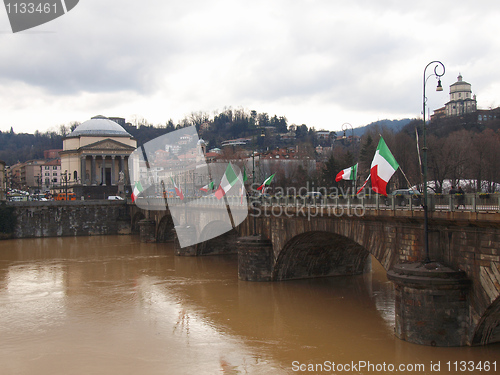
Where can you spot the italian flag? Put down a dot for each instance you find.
(383, 167)
(267, 182)
(177, 190)
(348, 173)
(228, 180)
(137, 190)
(208, 187)
(245, 177)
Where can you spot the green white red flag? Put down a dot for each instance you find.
(137, 190)
(266, 182)
(228, 180)
(348, 173)
(178, 190)
(208, 187)
(383, 167)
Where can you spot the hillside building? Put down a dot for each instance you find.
(463, 104)
(461, 99)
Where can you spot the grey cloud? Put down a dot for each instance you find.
(361, 55)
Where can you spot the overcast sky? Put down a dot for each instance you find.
(318, 62)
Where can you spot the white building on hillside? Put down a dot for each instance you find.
(461, 99)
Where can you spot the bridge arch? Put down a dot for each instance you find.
(319, 254)
(488, 329)
(213, 243)
(166, 229)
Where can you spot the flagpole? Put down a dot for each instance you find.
(345, 127)
(424, 149)
(229, 211)
(410, 186)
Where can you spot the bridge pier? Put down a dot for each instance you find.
(185, 231)
(255, 259)
(432, 307)
(188, 251)
(147, 230)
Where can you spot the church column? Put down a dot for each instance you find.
(113, 170)
(103, 170)
(93, 171)
(127, 177)
(83, 170)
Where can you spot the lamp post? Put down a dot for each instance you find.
(438, 65)
(66, 183)
(262, 134)
(38, 180)
(345, 127)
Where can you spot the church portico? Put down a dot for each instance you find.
(102, 169)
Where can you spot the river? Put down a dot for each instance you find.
(112, 305)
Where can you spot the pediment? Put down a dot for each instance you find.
(107, 145)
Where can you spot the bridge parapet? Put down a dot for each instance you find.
(437, 202)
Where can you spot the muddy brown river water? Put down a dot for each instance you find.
(112, 305)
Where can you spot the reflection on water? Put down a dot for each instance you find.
(34, 297)
(93, 305)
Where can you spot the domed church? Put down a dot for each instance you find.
(461, 99)
(95, 157)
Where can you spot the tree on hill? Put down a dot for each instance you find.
(366, 153)
(330, 171)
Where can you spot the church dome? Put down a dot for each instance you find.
(99, 126)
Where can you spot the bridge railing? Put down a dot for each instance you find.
(155, 203)
(436, 202)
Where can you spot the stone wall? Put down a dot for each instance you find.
(70, 218)
(476, 250)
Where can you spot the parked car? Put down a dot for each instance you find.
(402, 197)
(115, 198)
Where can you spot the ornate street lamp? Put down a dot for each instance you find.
(345, 127)
(438, 65)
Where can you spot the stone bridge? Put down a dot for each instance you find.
(453, 300)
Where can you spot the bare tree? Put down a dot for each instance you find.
(449, 158)
(63, 130)
(485, 160)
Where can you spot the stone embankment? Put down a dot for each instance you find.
(70, 218)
